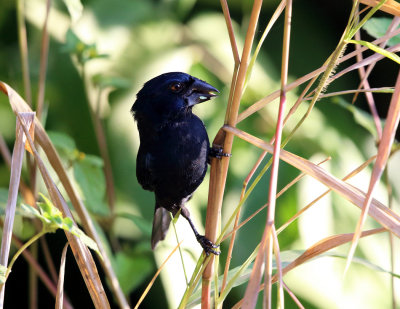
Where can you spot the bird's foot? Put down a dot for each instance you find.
(207, 245)
(218, 153)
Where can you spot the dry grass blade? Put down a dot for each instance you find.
(385, 145)
(23, 46)
(19, 105)
(16, 165)
(39, 271)
(60, 284)
(155, 276)
(43, 62)
(231, 33)
(378, 211)
(325, 245)
(24, 189)
(270, 224)
(274, 95)
(82, 254)
(305, 208)
(366, 61)
(391, 6)
(219, 168)
(364, 78)
(287, 187)
(315, 250)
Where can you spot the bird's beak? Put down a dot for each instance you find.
(200, 92)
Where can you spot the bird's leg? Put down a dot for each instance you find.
(218, 153)
(207, 245)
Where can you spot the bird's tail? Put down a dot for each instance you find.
(161, 222)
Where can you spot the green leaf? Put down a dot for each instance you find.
(110, 81)
(75, 9)
(52, 220)
(64, 144)
(361, 117)
(131, 271)
(3, 200)
(377, 27)
(83, 237)
(377, 49)
(142, 224)
(84, 52)
(89, 175)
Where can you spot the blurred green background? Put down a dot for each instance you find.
(146, 38)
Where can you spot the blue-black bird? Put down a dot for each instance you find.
(174, 147)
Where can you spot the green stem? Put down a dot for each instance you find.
(26, 245)
(180, 249)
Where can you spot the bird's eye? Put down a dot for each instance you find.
(176, 87)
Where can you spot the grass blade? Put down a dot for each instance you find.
(385, 145)
(16, 165)
(60, 285)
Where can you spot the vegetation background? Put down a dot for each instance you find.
(141, 39)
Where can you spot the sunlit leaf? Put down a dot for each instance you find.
(142, 224)
(84, 52)
(126, 265)
(89, 175)
(64, 144)
(361, 117)
(52, 220)
(75, 9)
(110, 81)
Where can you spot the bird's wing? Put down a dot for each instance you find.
(144, 170)
(161, 222)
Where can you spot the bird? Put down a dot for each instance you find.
(174, 148)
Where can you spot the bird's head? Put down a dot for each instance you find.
(170, 95)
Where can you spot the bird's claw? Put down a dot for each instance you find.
(207, 245)
(218, 153)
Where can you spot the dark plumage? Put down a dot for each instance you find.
(174, 146)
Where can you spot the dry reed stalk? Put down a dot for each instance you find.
(364, 73)
(43, 63)
(39, 270)
(385, 145)
(318, 248)
(305, 208)
(314, 74)
(391, 6)
(385, 216)
(60, 284)
(272, 21)
(19, 105)
(16, 166)
(23, 49)
(33, 279)
(219, 168)
(251, 293)
(81, 253)
(24, 189)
